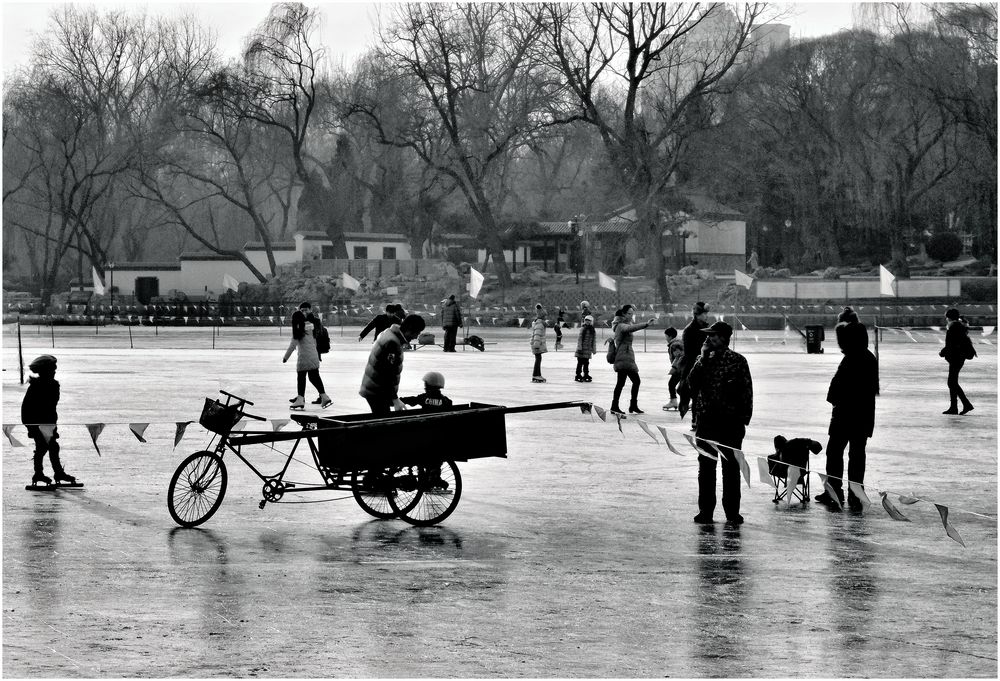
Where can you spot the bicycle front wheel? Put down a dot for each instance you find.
(437, 494)
(197, 489)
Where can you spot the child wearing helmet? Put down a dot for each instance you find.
(586, 346)
(431, 399)
(38, 413)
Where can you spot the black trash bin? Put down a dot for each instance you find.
(814, 339)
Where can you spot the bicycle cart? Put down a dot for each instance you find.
(391, 465)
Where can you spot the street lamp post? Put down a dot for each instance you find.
(111, 268)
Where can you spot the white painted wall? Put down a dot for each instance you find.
(725, 237)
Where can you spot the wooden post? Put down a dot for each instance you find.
(130, 346)
(20, 356)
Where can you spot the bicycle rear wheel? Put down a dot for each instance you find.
(197, 489)
(435, 498)
(371, 491)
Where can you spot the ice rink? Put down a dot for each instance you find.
(576, 556)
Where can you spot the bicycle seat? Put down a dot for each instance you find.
(304, 419)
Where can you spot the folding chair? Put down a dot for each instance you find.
(777, 467)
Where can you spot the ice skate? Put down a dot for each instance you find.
(299, 403)
(65, 477)
(41, 478)
(537, 379)
(587, 379)
(671, 405)
(615, 409)
(318, 400)
(578, 379)
(324, 400)
(634, 409)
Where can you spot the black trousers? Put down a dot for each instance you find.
(314, 378)
(583, 366)
(672, 385)
(835, 460)
(537, 371)
(731, 436)
(42, 448)
(380, 406)
(955, 392)
(632, 374)
(450, 338)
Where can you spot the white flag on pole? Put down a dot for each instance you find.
(475, 282)
(743, 280)
(229, 282)
(98, 284)
(347, 281)
(887, 282)
(606, 282)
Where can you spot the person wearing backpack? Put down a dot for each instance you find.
(957, 349)
(304, 324)
(624, 363)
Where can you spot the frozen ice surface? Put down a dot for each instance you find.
(575, 556)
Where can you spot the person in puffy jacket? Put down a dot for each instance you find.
(852, 394)
(451, 319)
(623, 327)
(538, 343)
(586, 347)
(675, 353)
(38, 413)
(957, 348)
(380, 383)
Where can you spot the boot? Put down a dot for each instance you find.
(578, 378)
(63, 476)
(615, 409)
(299, 403)
(318, 400)
(671, 405)
(966, 409)
(40, 477)
(587, 378)
(633, 408)
(537, 379)
(324, 400)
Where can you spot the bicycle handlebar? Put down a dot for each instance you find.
(237, 397)
(252, 416)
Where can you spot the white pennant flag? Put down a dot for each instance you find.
(887, 282)
(701, 452)
(230, 283)
(794, 473)
(670, 446)
(98, 284)
(349, 282)
(601, 414)
(14, 442)
(743, 280)
(604, 281)
(645, 427)
(859, 491)
(278, 424)
(744, 466)
(892, 510)
(520, 321)
(476, 280)
(987, 330)
(763, 473)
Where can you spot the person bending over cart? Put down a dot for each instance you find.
(431, 399)
(380, 384)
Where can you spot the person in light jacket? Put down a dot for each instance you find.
(538, 343)
(307, 361)
(623, 327)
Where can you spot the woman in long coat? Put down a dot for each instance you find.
(624, 365)
(538, 343)
(957, 348)
(307, 361)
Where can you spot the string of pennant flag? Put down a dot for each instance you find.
(700, 446)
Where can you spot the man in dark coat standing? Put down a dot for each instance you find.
(852, 394)
(957, 348)
(692, 337)
(451, 319)
(722, 390)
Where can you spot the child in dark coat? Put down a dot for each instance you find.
(38, 413)
(431, 399)
(586, 346)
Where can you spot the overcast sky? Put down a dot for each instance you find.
(347, 29)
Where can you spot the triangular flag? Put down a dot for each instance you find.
(907, 499)
(230, 283)
(349, 282)
(886, 282)
(859, 491)
(645, 427)
(238, 426)
(179, 433)
(476, 280)
(670, 446)
(701, 451)
(47, 431)
(744, 466)
(987, 330)
(138, 429)
(763, 472)
(98, 284)
(892, 510)
(14, 442)
(743, 280)
(478, 321)
(95, 430)
(619, 418)
(520, 321)
(792, 479)
(601, 414)
(586, 408)
(278, 424)
(952, 532)
(830, 491)
(604, 281)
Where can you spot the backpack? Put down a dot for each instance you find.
(322, 340)
(970, 350)
(612, 350)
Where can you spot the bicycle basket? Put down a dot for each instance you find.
(219, 418)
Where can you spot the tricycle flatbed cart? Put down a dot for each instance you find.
(393, 465)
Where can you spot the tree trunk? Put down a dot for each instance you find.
(656, 266)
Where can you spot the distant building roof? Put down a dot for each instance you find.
(619, 226)
(205, 255)
(374, 236)
(275, 246)
(146, 266)
(313, 236)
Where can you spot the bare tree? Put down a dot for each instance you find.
(642, 75)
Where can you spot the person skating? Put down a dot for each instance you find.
(586, 347)
(722, 391)
(393, 315)
(451, 319)
(538, 347)
(692, 338)
(308, 360)
(39, 413)
(380, 382)
(560, 319)
(852, 394)
(626, 368)
(957, 349)
(675, 354)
